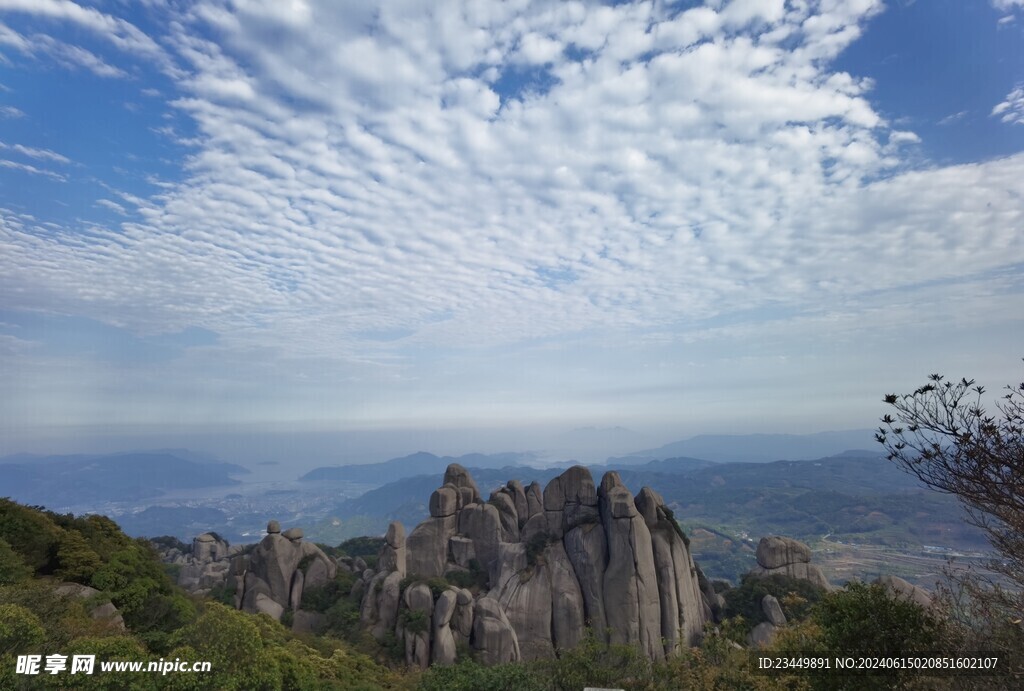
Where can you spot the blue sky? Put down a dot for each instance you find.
(728, 216)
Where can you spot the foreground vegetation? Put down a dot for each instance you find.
(40, 549)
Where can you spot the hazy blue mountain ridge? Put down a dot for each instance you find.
(72, 480)
(754, 448)
(420, 463)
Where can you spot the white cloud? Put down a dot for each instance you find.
(1011, 7)
(953, 117)
(538, 50)
(11, 112)
(359, 172)
(122, 34)
(38, 154)
(112, 206)
(1011, 110)
(32, 170)
(66, 55)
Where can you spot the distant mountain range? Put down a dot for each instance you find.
(421, 463)
(756, 448)
(856, 495)
(57, 481)
(691, 453)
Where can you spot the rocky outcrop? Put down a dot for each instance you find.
(550, 562)
(773, 610)
(272, 577)
(632, 602)
(900, 589)
(204, 567)
(787, 557)
(762, 635)
(104, 612)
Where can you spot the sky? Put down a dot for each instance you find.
(674, 217)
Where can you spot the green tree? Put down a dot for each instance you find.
(230, 640)
(30, 533)
(13, 568)
(866, 620)
(107, 649)
(468, 675)
(20, 630)
(795, 595)
(76, 560)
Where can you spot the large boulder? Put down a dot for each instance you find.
(387, 605)
(519, 498)
(458, 477)
(444, 502)
(427, 546)
(443, 648)
(481, 523)
(567, 608)
(209, 547)
(274, 561)
(273, 573)
(534, 500)
(631, 599)
(787, 557)
(682, 615)
(526, 599)
(392, 555)
(418, 600)
(586, 549)
(462, 619)
(507, 515)
(903, 590)
(207, 565)
(762, 635)
(493, 637)
(773, 610)
(104, 612)
(775, 551)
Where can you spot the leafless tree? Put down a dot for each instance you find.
(942, 434)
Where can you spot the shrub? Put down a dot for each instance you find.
(13, 568)
(20, 630)
(468, 675)
(536, 546)
(794, 595)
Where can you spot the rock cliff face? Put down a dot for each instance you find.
(548, 563)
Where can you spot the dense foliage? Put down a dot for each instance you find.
(795, 596)
(40, 549)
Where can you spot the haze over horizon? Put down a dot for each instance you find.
(469, 223)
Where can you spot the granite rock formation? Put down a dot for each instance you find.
(787, 557)
(207, 566)
(900, 589)
(271, 578)
(546, 563)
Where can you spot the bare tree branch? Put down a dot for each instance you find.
(942, 434)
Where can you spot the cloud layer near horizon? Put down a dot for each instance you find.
(396, 198)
